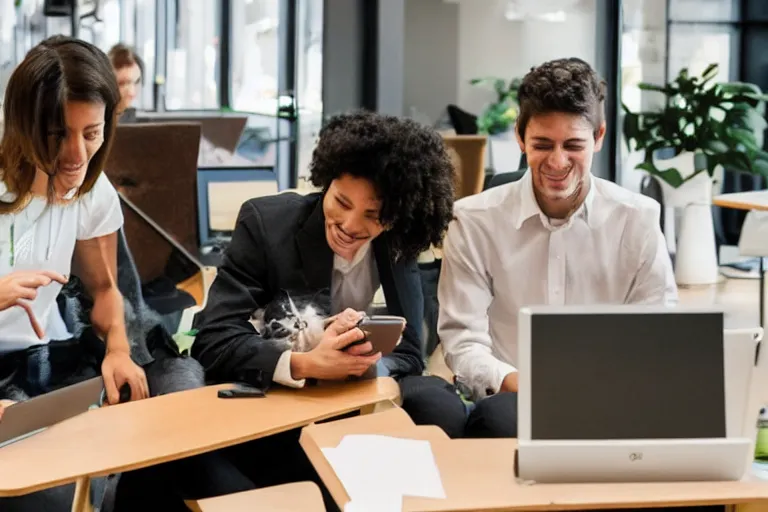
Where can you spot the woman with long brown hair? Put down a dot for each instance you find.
(59, 213)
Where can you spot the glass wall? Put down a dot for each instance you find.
(309, 80)
(137, 29)
(274, 66)
(254, 55)
(643, 59)
(103, 30)
(193, 53)
(661, 37)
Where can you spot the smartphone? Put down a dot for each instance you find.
(242, 392)
(383, 332)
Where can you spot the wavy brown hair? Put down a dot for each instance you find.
(123, 56)
(565, 86)
(57, 70)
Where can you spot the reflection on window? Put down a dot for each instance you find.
(255, 39)
(309, 77)
(137, 29)
(696, 47)
(193, 56)
(643, 59)
(704, 10)
(103, 30)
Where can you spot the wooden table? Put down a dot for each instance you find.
(478, 475)
(148, 432)
(300, 496)
(753, 200)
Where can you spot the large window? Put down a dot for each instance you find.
(309, 80)
(254, 55)
(103, 30)
(702, 33)
(661, 37)
(273, 67)
(192, 59)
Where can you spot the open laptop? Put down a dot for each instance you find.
(29, 417)
(627, 394)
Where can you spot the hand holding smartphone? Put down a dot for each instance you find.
(382, 331)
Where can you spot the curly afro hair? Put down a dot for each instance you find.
(562, 85)
(408, 166)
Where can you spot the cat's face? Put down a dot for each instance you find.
(296, 318)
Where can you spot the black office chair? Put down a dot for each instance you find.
(463, 122)
(503, 178)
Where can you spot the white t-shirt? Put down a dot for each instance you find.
(42, 237)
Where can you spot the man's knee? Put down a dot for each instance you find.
(495, 416)
(431, 400)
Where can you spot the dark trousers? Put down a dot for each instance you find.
(44, 368)
(430, 400)
(265, 462)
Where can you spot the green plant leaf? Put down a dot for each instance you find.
(723, 121)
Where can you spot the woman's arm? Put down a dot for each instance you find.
(227, 344)
(96, 265)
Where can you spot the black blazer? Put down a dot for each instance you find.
(279, 244)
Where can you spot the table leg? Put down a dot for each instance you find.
(82, 501)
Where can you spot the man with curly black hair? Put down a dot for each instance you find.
(387, 188)
(558, 236)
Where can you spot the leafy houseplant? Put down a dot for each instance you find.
(722, 124)
(500, 114)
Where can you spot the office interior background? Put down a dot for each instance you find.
(287, 65)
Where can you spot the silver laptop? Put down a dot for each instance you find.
(29, 417)
(627, 394)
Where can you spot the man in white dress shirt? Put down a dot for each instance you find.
(559, 235)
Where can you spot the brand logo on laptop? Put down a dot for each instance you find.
(635, 456)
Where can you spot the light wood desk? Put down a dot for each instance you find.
(478, 475)
(753, 200)
(148, 432)
(296, 497)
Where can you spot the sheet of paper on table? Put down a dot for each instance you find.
(377, 471)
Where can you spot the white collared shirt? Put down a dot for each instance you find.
(502, 253)
(353, 285)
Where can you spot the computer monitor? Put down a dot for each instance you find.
(220, 194)
(621, 372)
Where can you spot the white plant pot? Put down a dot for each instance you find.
(694, 246)
(503, 152)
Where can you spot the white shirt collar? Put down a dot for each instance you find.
(529, 207)
(345, 266)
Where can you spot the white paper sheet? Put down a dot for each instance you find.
(377, 471)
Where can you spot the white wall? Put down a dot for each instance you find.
(431, 75)
(485, 43)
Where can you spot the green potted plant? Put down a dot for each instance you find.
(704, 126)
(497, 121)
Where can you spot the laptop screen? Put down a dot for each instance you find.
(627, 376)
